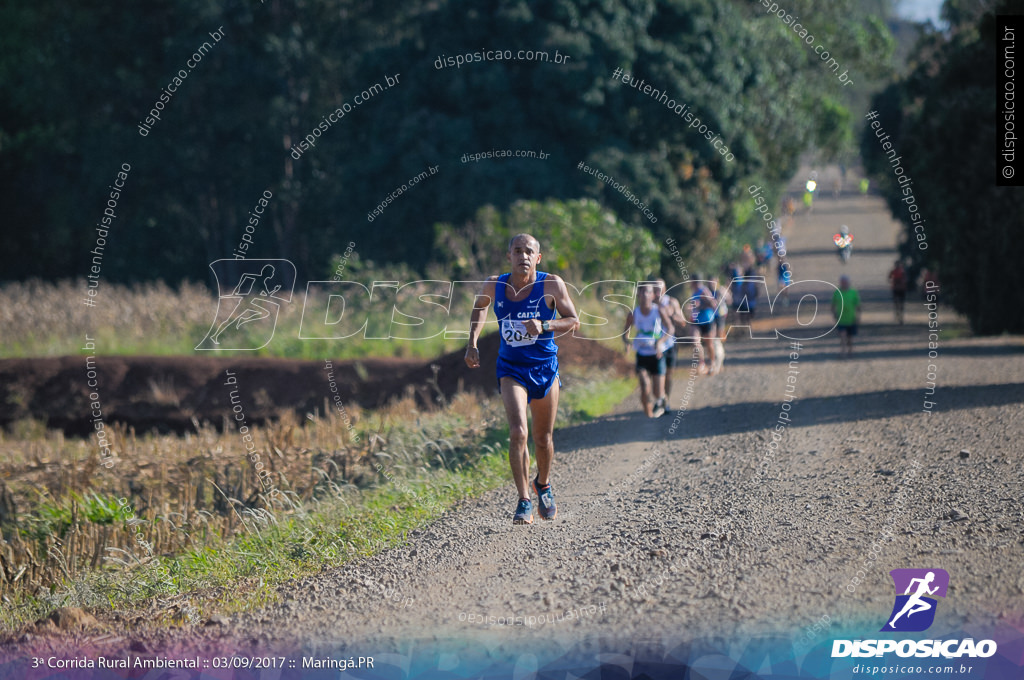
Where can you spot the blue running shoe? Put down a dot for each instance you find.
(524, 512)
(545, 501)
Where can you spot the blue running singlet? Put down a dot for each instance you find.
(517, 346)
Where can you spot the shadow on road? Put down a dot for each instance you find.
(807, 412)
(873, 344)
(831, 207)
(831, 252)
(811, 411)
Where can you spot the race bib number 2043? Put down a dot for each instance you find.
(514, 333)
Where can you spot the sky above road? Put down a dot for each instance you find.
(919, 10)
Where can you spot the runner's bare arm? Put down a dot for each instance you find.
(481, 303)
(555, 288)
(666, 320)
(675, 314)
(678, 317)
(625, 329)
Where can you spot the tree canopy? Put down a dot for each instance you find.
(81, 79)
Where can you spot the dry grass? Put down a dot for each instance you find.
(199, 489)
(49, 319)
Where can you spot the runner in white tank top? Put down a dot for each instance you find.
(652, 339)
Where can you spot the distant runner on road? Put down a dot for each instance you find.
(785, 279)
(527, 365)
(723, 298)
(703, 306)
(653, 338)
(846, 308)
(898, 283)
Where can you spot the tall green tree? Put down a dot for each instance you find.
(971, 225)
(581, 241)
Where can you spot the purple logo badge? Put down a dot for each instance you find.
(916, 590)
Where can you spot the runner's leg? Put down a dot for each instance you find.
(710, 346)
(717, 344)
(667, 392)
(544, 411)
(513, 395)
(645, 390)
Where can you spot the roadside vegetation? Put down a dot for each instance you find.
(180, 528)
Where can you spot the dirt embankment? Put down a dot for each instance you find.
(166, 393)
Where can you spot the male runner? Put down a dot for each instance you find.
(703, 305)
(722, 300)
(898, 283)
(654, 334)
(846, 308)
(527, 363)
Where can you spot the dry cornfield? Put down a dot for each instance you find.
(41, 319)
(50, 319)
(59, 510)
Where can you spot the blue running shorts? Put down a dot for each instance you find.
(536, 378)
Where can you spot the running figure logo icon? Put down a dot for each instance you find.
(916, 589)
(253, 302)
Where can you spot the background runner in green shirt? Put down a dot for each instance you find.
(846, 308)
